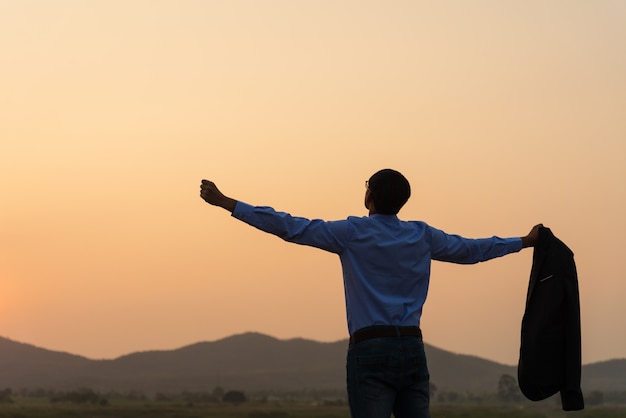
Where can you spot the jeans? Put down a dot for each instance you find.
(386, 375)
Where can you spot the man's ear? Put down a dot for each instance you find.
(369, 202)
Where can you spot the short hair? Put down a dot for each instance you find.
(390, 191)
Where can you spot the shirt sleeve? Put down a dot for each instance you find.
(327, 235)
(456, 249)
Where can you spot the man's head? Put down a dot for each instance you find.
(388, 190)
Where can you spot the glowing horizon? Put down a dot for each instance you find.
(502, 115)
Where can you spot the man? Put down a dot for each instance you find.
(386, 271)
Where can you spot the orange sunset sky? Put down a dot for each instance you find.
(502, 114)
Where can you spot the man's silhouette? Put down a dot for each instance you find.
(386, 272)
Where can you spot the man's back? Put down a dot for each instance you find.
(385, 261)
(386, 270)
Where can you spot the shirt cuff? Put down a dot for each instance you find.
(241, 209)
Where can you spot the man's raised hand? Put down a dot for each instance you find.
(211, 194)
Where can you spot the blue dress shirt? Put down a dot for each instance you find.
(385, 261)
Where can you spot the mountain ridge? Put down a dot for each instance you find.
(250, 361)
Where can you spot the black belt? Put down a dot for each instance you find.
(384, 331)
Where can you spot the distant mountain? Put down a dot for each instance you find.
(24, 365)
(606, 375)
(250, 362)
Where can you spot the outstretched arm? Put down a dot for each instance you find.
(211, 194)
(329, 236)
(456, 249)
(531, 239)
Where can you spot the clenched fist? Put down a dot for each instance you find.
(212, 195)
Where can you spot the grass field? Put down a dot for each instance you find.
(40, 408)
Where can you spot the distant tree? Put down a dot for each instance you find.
(194, 397)
(5, 396)
(218, 393)
(38, 393)
(80, 396)
(136, 395)
(451, 396)
(508, 390)
(595, 397)
(454, 397)
(617, 397)
(162, 397)
(235, 397)
(475, 398)
(433, 390)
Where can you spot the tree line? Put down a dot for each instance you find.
(507, 391)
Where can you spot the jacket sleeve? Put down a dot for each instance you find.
(571, 394)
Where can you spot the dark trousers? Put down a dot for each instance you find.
(386, 375)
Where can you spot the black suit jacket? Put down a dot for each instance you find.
(550, 352)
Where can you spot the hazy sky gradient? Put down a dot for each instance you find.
(502, 114)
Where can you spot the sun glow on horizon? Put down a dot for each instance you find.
(501, 116)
